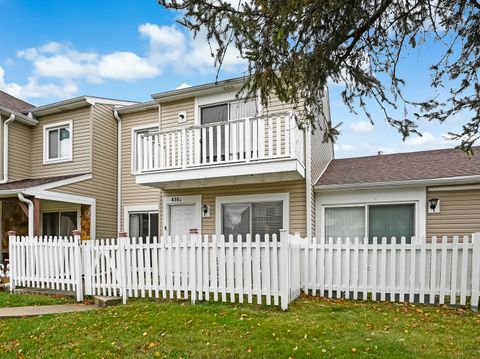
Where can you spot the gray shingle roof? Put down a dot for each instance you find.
(412, 166)
(13, 103)
(32, 182)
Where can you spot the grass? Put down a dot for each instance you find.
(313, 327)
(22, 300)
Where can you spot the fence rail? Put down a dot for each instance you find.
(396, 271)
(268, 270)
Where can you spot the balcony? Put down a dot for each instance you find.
(269, 148)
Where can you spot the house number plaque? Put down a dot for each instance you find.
(176, 199)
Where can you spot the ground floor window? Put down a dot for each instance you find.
(254, 218)
(143, 224)
(59, 223)
(386, 220)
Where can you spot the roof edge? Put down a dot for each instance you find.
(136, 107)
(422, 182)
(18, 116)
(195, 90)
(74, 103)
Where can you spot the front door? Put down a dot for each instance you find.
(182, 220)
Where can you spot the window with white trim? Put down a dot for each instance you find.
(228, 111)
(382, 220)
(143, 224)
(59, 223)
(57, 142)
(138, 134)
(254, 218)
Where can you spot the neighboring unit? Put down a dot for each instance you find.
(420, 194)
(59, 167)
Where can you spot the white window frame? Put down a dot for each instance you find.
(366, 206)
(142, 208)
(379, 196)
(253, 198)
(53, 126)
(59, 212)
(219, 99)
(134, 130)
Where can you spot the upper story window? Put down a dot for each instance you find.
(57, 142)
(138, 133)
(228, 111)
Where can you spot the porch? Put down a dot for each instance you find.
(268, 148)
(33, 216)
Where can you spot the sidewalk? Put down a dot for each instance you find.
(31, 311)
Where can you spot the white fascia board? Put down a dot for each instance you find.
(408, 183)
(61, 197)
(10, 192)
(227, 170)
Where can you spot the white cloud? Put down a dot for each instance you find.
(345, 147)
(169, 47)
(114, 66)
(429, 140)
(183, 85)
(33, 89)
(361, 127)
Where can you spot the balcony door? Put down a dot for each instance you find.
(223, 113)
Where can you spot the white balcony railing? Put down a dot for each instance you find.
(240, 141)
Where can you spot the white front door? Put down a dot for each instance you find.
(182, 220)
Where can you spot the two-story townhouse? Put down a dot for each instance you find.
(59, 167)
(204, 160)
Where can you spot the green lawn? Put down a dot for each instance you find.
(22, 300)
(312, 327)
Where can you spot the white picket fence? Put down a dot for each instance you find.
(193, 267)
(46, 263)
(268, 270)
(393, 270)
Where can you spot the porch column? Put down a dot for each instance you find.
(36, 217)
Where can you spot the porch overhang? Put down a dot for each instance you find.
(277, 170)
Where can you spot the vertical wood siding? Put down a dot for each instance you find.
(19, 151)
(459, 213)
(133, 194)
(82, 144)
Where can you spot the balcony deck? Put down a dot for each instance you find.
(268, 148)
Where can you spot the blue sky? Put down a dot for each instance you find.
(51, 50)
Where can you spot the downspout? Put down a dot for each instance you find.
(5, 147)
(308, 180)
(30, 213)
(119, 170)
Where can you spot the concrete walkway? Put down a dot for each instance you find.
(31, 311)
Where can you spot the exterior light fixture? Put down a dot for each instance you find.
(433, 205)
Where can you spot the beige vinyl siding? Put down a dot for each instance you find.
(103, 185)
(459, 213)
(82, 144)
(19, 151)
(133, 194)
(170, 110)
(296, 190)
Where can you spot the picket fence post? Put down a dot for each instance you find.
(284, 269)
(12, 237)
(78, 265)
(475, 271)
(122, 239)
